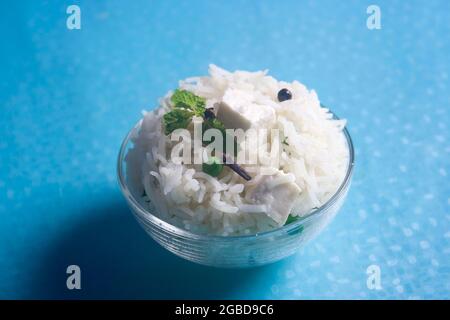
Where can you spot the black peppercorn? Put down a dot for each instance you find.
(209, 114)
(284, 94)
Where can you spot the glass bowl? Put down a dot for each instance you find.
(233, 251)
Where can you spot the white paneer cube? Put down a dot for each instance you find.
(277, 192)
(238, 110)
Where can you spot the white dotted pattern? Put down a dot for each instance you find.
(69, 97)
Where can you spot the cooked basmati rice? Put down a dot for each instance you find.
(314, 159)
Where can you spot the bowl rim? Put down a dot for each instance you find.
(159, 223)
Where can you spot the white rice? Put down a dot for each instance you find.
(315, 159)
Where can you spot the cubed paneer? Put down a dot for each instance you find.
(278, 192)
(237, 110)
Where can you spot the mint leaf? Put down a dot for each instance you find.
(213, 123)
(177, 119)
(290, 219)
(213, 166)
(188, 100)
(186, 105)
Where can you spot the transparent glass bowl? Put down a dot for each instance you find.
(234, 251)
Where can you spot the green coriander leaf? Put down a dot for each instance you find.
(177, 119)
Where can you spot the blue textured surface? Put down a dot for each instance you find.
(68, 97)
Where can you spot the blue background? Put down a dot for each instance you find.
(68, 97)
